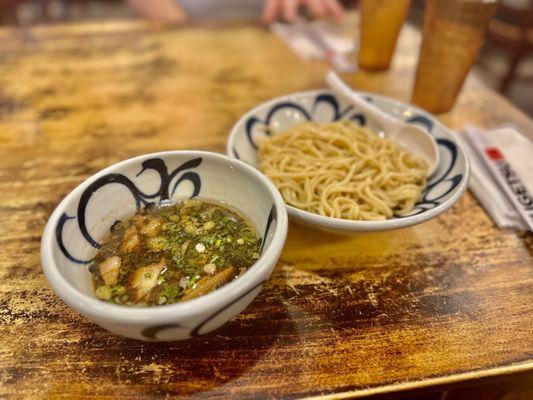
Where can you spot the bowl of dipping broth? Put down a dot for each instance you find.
(165, 246)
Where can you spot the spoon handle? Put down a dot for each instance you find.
(389, 123)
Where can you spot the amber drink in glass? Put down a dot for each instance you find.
(381, 21)
(453, 34)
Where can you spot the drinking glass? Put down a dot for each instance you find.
(380, 25)
(453, 34)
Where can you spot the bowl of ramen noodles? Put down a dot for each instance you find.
(165, 246)
(337, 170)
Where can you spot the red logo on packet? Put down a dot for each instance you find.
(494, 153)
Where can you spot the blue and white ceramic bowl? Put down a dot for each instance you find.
(444, 189)
(85, 216)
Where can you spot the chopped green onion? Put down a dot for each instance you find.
(118, 290)
(103, 292)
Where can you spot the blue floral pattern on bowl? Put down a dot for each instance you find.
(140, 198)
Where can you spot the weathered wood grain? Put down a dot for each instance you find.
(340, 314)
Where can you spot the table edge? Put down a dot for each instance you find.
(425, 383)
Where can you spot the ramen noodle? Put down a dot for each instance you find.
(342, 170)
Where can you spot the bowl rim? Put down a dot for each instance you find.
(354, 225)
(101, 310)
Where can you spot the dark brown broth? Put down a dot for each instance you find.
(164, 255)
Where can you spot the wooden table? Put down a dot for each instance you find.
(439, 303)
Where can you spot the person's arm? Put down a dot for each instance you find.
(159, 10)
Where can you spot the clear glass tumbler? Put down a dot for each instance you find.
(381, 21)
(453, 34)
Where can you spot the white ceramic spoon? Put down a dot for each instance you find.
(409, 136)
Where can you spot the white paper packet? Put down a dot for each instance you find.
(490, 193)
(317, 40)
